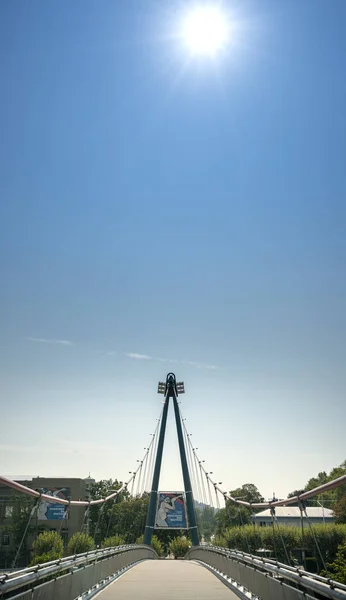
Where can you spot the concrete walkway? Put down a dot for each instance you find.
(167, 580)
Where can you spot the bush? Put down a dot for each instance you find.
(48, 546)
(155, 542)
(250, 539)
(337, 569)
(43, 558)
(179, 546)
(80, 542)
(114, 540)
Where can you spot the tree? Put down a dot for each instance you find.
(19, 526)
(155, 542)
(337, 569)
(99, 514)
(114, 540)
(48, 546)
(179, 546)
(127, 518)
(234, 514)
(339, 510)
(166, 537)
(206, 521)
(80, 542)
(330, 498)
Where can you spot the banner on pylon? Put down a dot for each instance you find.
(171, 511)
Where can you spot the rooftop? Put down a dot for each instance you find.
(314, 512)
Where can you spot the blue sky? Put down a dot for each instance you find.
(161, 212)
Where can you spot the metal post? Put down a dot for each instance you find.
(191, 515)
(151, 515)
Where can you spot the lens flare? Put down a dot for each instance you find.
(205, 30)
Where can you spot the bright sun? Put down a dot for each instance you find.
(205, 30)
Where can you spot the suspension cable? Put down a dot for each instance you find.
(98, 523)
(145, 461)
(242, 525)
(139, 479)
(85, 517)
(281, 537)
(32, 512)
(314, 538)
(217, 498)
(209, 491)
(272, 512)
(133, 483)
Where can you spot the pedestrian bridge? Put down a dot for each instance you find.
(136, 572)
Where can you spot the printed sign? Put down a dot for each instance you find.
(52, 511)
(171, 513)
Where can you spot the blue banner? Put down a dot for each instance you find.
(53, 511)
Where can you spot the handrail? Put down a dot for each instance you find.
(14, 580)
(310, 581)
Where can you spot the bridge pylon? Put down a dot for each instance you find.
(171, 389)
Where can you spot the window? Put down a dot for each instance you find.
(8, 511)
(5, 540)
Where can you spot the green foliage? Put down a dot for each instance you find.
(124, 516)
(80, 542)
(179, 546)
(127, 518)
(337, 569)
(339, 509)
(114, 540)
(22, 506)
(43, 558)
(234, 515)
(166, 537)
(99, 515)
(48, 546)
(206, 521)
(250, 539)
(155, 542)
(333, 499)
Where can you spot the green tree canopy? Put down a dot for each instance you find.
(234, 514)
(337, 569)
(48, 546)
(99, 515)
(334, 499)
(80, 542)
(179, 546)
(155, 542)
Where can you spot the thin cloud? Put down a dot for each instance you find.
(50, 341)
(137, 356)
(191, 363)
(197, 365)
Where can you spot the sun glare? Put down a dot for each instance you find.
(205, 30)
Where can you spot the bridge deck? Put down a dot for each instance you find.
(167, 580)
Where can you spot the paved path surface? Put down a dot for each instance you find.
(167, 580)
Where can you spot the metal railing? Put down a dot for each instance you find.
(267, 578)
(71, 576)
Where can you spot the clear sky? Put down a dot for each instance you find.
(166, 212)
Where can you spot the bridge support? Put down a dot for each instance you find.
(191, 515)
(149, 526)
(170, 389)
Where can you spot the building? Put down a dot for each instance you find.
(48, 516)
(291, 515)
